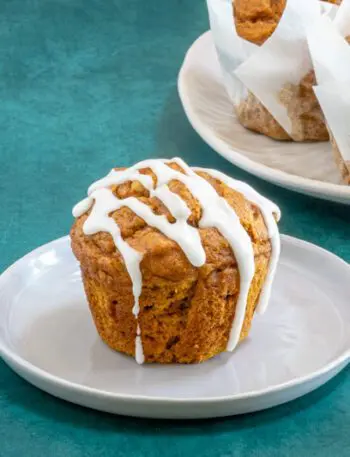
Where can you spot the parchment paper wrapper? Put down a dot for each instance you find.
(331, 58)
(271, 85)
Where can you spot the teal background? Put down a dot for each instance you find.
(85, 85)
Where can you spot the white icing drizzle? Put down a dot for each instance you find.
(139, 356)
(99, 221)
(83, 206)
(216, 212)
(268, 210)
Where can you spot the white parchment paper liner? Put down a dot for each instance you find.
(231, 49)
(330, 54)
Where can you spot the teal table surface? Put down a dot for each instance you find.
(87, 84)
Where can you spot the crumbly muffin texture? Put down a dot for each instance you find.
(304, 111)
(186, 312)
(253, 115)
(256, 20)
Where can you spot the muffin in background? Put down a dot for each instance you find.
(256, 21)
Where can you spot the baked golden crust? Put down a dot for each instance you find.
(253, 115)
(186, 313)
(304, 111)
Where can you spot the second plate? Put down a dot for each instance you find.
(303, 167)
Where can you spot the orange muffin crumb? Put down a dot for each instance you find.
(256, 20)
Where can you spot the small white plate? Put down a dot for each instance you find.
(47, 337)
(308, 168)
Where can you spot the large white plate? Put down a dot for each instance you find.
(308, 168)
(47, 337)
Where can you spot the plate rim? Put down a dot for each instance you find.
(278, 177)
(14, 360)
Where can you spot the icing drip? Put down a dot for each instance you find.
(81, 207)
(216, 212)
(268, 210)
(139, 357)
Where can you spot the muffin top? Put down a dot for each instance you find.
(256, 20)
(162, 219)
(149, 240)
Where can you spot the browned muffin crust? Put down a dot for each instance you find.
(186, 313)
(253, 115)
(304, 111)
(256, 20)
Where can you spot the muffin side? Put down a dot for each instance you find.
(253, 115)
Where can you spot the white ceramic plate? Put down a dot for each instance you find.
(303, 167)
(47, 337)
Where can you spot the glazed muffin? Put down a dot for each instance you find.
(255, 21)
(174, 261)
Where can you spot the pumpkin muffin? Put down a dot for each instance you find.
(186, 312)
(255, 21)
